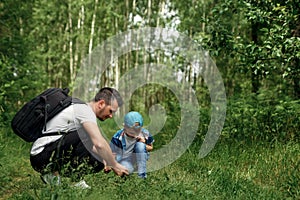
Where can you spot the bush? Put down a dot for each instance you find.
(18, 84)
(262, 117)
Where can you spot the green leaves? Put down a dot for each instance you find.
(267, 117)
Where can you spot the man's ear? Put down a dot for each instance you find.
(101, 104)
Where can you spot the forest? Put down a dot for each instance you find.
(217, 81)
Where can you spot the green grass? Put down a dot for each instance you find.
(233, 170)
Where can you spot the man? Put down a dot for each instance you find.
(80, 147)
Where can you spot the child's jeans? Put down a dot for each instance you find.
(140, 157)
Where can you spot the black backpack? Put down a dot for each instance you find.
(29, 121)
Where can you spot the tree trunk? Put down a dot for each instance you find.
(93, 27)
(71, 61)
(79, 50)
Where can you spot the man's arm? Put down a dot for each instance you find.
(102, 148)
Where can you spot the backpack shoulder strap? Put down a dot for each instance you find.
(77, 101)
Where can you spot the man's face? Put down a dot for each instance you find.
(106, 111)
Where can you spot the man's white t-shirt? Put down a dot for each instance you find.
(70, 119)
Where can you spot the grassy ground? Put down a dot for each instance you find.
(231, 171)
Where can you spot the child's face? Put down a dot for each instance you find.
(132, 131)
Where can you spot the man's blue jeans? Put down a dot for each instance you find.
(140, 157)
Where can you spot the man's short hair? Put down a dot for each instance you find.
(108, 95)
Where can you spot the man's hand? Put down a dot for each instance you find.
(120, 170)
(107, 169)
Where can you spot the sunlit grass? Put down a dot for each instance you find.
(230, 171)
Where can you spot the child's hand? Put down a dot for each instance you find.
(141, 139)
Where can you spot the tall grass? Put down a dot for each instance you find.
(230, 171)
(257, 157)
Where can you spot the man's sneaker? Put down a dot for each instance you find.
(82, 184)
(51, 179)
